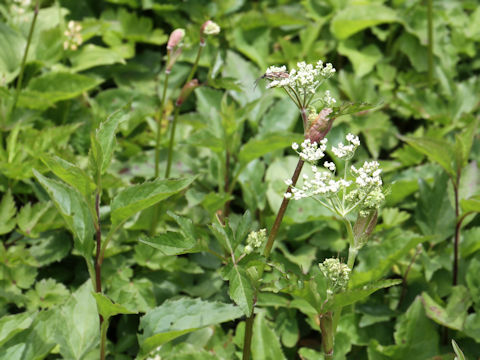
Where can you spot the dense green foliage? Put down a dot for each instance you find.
(87, 111)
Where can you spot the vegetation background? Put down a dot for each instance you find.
(417, 61)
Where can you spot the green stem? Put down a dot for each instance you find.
(247, 344)
(430, 42)
(172, 139)
(103, 339)
(195, 64)
(159, 125)
(24, 59)
(328, 334)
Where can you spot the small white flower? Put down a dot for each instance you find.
(73, 36)
(294, 146)
(211, 28)
(288, 182)
(329, 165)
(346, 152)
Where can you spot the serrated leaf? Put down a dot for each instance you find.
(107, 308)
(265, 342)
(105, 136)
(225, 237)
(7, 213)
(170, 243)
(28, 217)
(439, 151)
(90, 56)
(241, 289)
(74, 211)
(349, 297)
(454, 314)
(77, 331)
(255, 148)
(71, 174)
(46, 294)
(178, 317)
(139, 197)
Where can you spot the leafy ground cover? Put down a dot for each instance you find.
(185, 180)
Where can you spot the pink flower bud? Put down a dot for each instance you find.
(175, 37)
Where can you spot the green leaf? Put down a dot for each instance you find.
(170, 243)
(10, 325)
(225, 236)
(71, 174)
(349, 297)
(458, 351)
(105, 136)
(434, 214)
(178, 317)
(439, 151)
(47, 293)
(7, 213)
(139, 197)
(473, 280)
(265, 342)
(29, 217)
(269, 142)
(356, 17)
(90, 56)
(12, 46)
(74, 211)
(77, 331)
(363, 59)
(471, 205)
(44, 91)
(454, 314)
(241, 289)
(416, 336)
(107, 308)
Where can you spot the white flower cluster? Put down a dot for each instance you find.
(211, 28)
(328, 100)
(323, 183)
(337, 275)
(368, 174)
(311, 151)
(346, 152)
(368, 194)
(304, 80)
(73, 36)
(255, 240)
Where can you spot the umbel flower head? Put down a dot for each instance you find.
(210, 28)
(336, 273)
(340, 195)
(73, 36)
(301, 83)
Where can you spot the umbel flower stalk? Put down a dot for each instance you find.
(301, 86)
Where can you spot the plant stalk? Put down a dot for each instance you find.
(103, 339)
(177, 110)
(430, 42)
(247, 344)
(457, 231)
(172, 139)
(24, 59)
(159, 125)
(328, 334)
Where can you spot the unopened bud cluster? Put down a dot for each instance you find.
(210, 28)
(73, 36)
(255, 240)
(336, 273)
(20, 7)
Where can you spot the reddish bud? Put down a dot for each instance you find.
(186, 91)
(320, 127)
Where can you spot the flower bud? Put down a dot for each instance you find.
(320, 126)
(336, 273)
(186, 91)
(364, 226)
(175, 38)
(210, 28)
